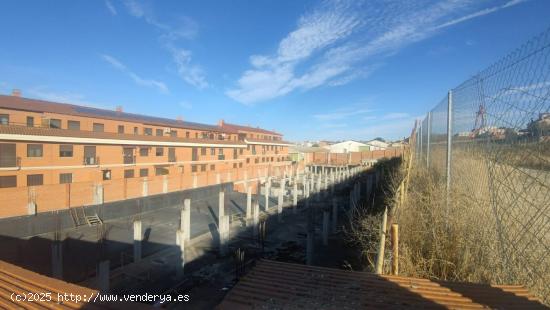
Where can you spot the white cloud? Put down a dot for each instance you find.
(160, 86)
(110, 7)
(341, 41)
(182, 28)
(338, 115)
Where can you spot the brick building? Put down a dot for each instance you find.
(55, 156)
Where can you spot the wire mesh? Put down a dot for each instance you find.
(501, 156)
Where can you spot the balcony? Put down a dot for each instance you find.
(172, 159)
(10, 163)
(91, 160)
(221, 157)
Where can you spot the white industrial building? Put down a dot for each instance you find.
(347, 146)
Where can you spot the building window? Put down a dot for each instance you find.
(120, 129)
(55, 123)
(212, 167)
(144, 172)
(8, 181)
(212, 151)
(193, 168)
(106, 175)
(240, 165)
(159, 132)
(98, 127)
(159, 151)
(240, 151)
(128, 173)
(173, 133)
(136, 130)
(248, 160)
(234, 165)
(187, 134)
(144, 151)
(66, 150)
(65, 178)
(30, 121)
(148, 131)
(161, 171)
(73, 125)
(35, 179)
(196, 135)
(4, 119)
(34, 150)
(203, 167)
(220, 151)
(89, 155)
(8, 156)
(203, 151)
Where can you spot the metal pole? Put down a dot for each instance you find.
(449, 145)
(428, 139)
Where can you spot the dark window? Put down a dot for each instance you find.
(55, 123)
(73, 125)
(240, 165)
(235, 153)
(34, 150)
(148, 131)
(159, 151)
(7, 155)
(196, 135)
(143, 151)
(193, 168)
(187, 134)
(120, 129)
(161, 171)
(173, 133)
(220, 151)
(144, 172)
(4, 119)
(194, 154)
(234, 165)
(65, 178)
(35, 179)
(159, 132)
(212, 151)
(98, 127)
(171, 154)
(203, 151)
(256, 160)
(128, 155)
(203, 167)
(65, 150)
(212, 167)
(106, 175)
(30, 121)
(248, 160)
(136, 131)
(89, 155)
(8, 181)
(128, 173)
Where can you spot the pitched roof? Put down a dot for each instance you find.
(276, 285)
(249, 128)
(34, 105)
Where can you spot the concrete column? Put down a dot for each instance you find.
(326, 217)
(195, 180)
(138, 236)
(98, 194)
(267, 190)
(103, 277)
(280, 200)
(295, 196)
(248, 205)
(145, 187)
(218, 178)
(221, 205)
(334, 214)
(57, 259)
(319, 182)
(180, 268)
(165, 184)
(185, 224)
(223, 230)
(326, 181)
(256, 217)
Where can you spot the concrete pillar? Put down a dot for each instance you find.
(180, 268)
(195, 180)
(319, 179)
(256, 217)
(218, 178)
(145, 187)
(221, 205)
(280, 200)
(98, 194)
(223, 231)
(138, 236)
(267, 190)
(326, 217)
(103, 277)
(165, 184)
(185, 222)
(334, 214)
(57, 259)
(248, 205)
(295, 196)
(326, 182)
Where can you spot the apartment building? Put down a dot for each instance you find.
(55, 156)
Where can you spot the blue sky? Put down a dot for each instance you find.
(309, 69)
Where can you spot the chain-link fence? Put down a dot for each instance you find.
(499, 156)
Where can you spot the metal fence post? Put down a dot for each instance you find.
(449, 141)
(421, 139)
(429, 123)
